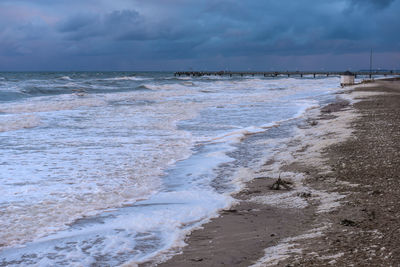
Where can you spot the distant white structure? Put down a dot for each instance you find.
(347, 78)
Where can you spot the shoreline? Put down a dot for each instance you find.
(280, 227)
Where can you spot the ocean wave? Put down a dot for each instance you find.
(9, 96)
(212, 77)
(131, 102)
(168, 86)
(67, 78)
(128, 78)
(237, 136)
(188, 83)
(207, 91)
(36, 90)
(185, 78)
(13, 123)
(65, 102)
(144, 87)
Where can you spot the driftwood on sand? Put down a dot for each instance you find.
(281, 183)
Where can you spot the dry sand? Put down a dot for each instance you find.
(342, 208)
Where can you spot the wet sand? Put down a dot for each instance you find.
(341, 205)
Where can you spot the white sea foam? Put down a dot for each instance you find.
(67, 78)
(128, 78)
(46, 104)
(129, 169)
(16, 122)
(287, 247)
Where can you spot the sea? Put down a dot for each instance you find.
(114, 168)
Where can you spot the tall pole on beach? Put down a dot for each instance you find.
(370, 65)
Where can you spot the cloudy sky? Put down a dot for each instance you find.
(201, 34)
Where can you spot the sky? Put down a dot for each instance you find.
(174, 35)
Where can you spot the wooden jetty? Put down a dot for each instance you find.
(286, 73)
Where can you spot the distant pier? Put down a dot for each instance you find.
(285, 73)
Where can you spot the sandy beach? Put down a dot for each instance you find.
(338, 202)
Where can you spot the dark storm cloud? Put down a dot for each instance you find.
(122, 33)
(76, 23)
(372, 3)
(116, 24)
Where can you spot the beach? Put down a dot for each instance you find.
(340, 205)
